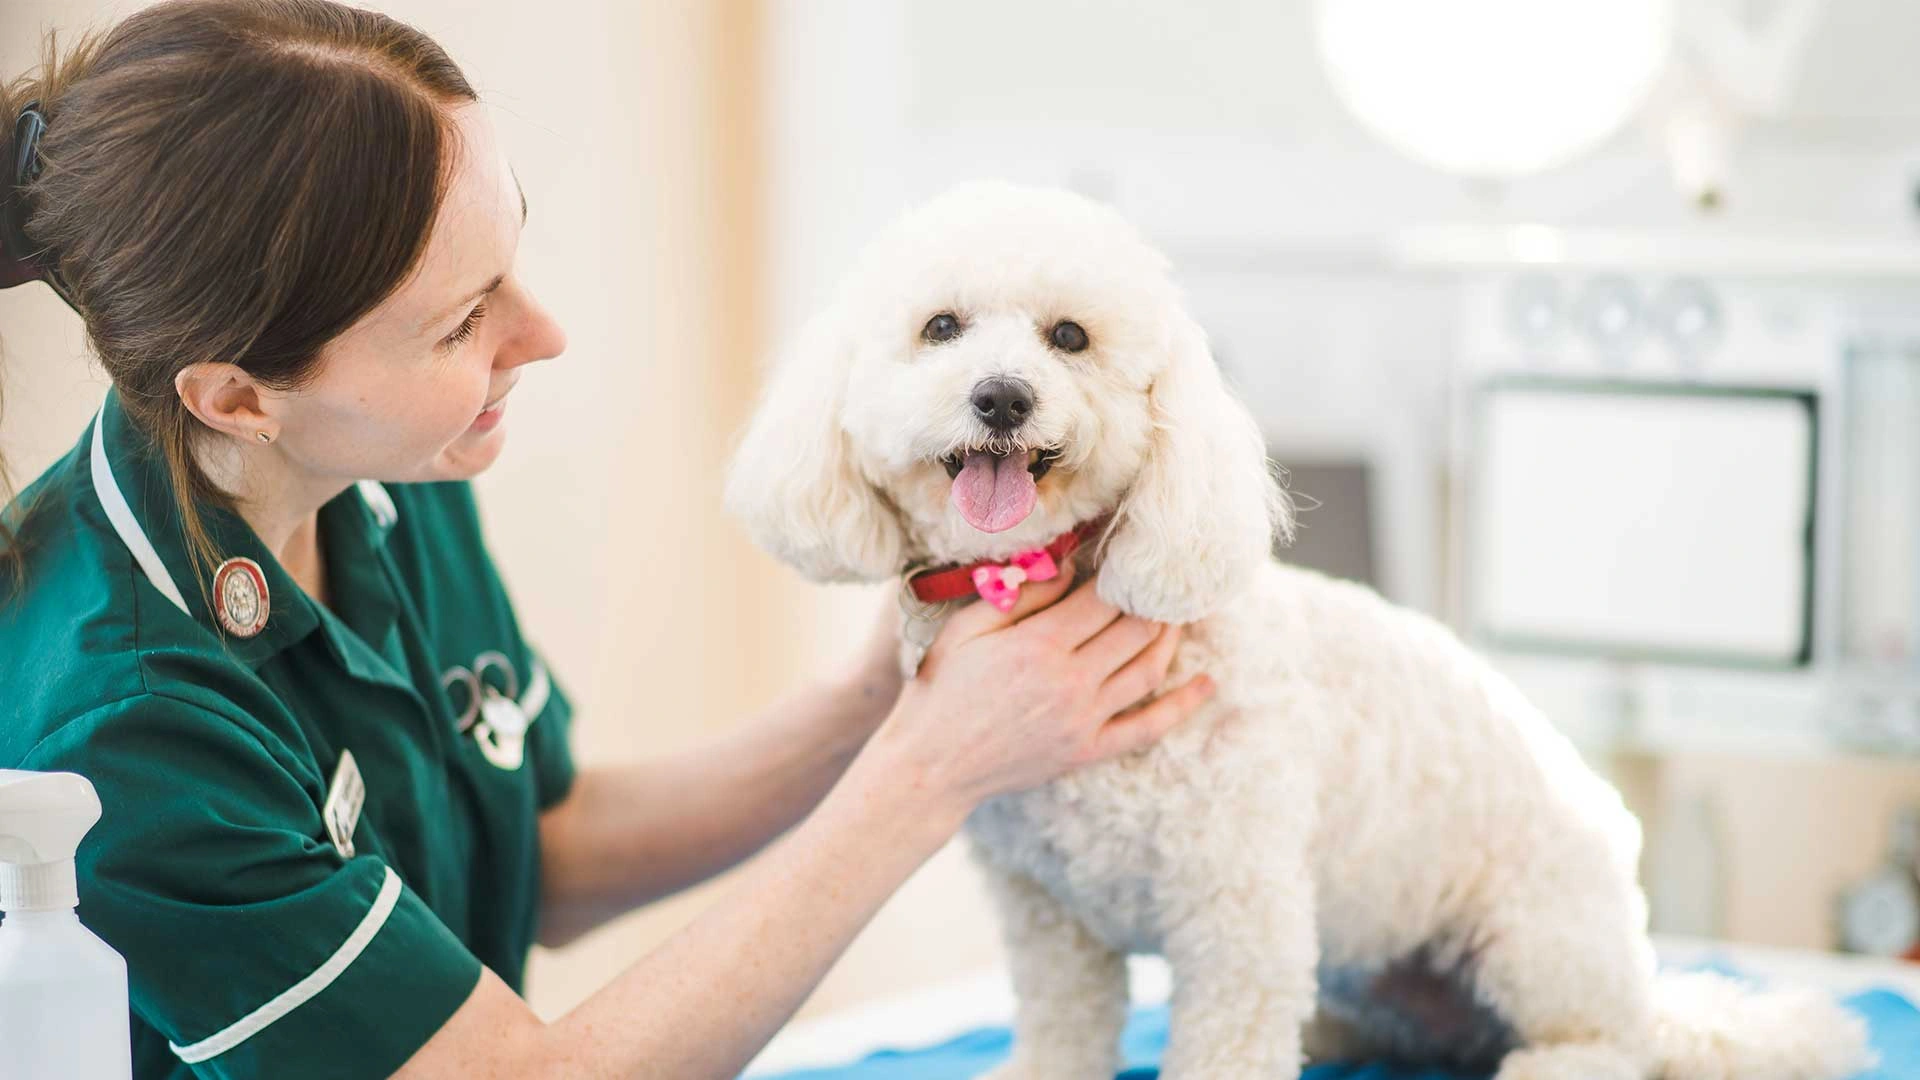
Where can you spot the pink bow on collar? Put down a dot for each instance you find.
(999, 585)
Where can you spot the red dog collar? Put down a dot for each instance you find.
(957, 582)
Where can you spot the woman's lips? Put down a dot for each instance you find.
(490, 416)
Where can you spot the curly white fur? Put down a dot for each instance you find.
(1368, 842)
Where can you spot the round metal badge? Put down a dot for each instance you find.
(240, 597)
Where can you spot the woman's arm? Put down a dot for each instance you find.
(703, 1004)
(628, 835)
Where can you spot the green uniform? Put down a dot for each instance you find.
(260, 942)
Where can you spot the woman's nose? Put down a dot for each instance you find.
(540, 338)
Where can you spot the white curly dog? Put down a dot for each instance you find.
(1368, 844)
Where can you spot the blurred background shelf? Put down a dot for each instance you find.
(1806, 254)
(1698, 248)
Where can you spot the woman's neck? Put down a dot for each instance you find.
(280, 502)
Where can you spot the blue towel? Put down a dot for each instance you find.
(1894, 1022)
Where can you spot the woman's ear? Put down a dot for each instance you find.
(226, 399)
(1200, 519)
(793, 480)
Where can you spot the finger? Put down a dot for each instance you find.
(1142, 727)
(1109, 650)
(1073, 620)
(980, 618)
(1142, 675)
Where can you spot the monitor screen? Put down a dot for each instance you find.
(1644, 520)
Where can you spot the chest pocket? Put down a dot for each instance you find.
(495, 705)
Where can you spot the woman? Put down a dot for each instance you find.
(254, 607)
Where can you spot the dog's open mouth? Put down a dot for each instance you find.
(1038, 460)
(995, 489)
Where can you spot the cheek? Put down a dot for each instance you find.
(448, 403)
(1065, 396)
(426, 405)
(898, 412)
(1108, 435)
(1121, 449)
(396, 414)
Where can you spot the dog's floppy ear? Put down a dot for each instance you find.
(1200, 519)
(793, 480)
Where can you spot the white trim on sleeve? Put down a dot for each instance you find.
(299, 993)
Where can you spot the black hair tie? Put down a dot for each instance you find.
(20, 261)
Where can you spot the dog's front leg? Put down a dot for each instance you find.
(1243, 947)
(1072, 989)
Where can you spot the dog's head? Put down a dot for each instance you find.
(1002, 365)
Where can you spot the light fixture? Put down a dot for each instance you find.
(1494, 88)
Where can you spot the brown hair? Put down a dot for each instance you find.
(235, 181)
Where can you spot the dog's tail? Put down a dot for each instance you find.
(1711, 1027)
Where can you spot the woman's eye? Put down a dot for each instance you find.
(1068, 336)
(466, 328)
(942, 327)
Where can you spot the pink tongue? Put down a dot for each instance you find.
(994, 493)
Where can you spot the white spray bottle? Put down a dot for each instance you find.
(63, 991)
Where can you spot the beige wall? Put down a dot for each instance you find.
(1793, 834)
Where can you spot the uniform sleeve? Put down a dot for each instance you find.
(549, 737)
(251, 943)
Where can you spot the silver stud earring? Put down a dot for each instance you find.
(263, 436)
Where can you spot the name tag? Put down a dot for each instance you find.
(345, 796)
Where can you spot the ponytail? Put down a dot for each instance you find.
(25, 104)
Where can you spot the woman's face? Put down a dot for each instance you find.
(416, 389)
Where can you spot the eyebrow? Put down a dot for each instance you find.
(483, 290)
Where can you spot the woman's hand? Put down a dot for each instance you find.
(1009, 701)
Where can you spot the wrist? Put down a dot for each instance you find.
(889, 781)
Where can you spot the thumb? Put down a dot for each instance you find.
(983, 618)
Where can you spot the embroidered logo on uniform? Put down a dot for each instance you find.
(240, 598)
(492, 710)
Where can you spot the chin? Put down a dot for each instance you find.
(470, 455)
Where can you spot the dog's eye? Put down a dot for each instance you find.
(942, 327)
(1067, 336)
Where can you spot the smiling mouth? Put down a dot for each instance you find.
(997, 487)
(1039, 460)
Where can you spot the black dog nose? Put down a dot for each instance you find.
(1003, 404)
